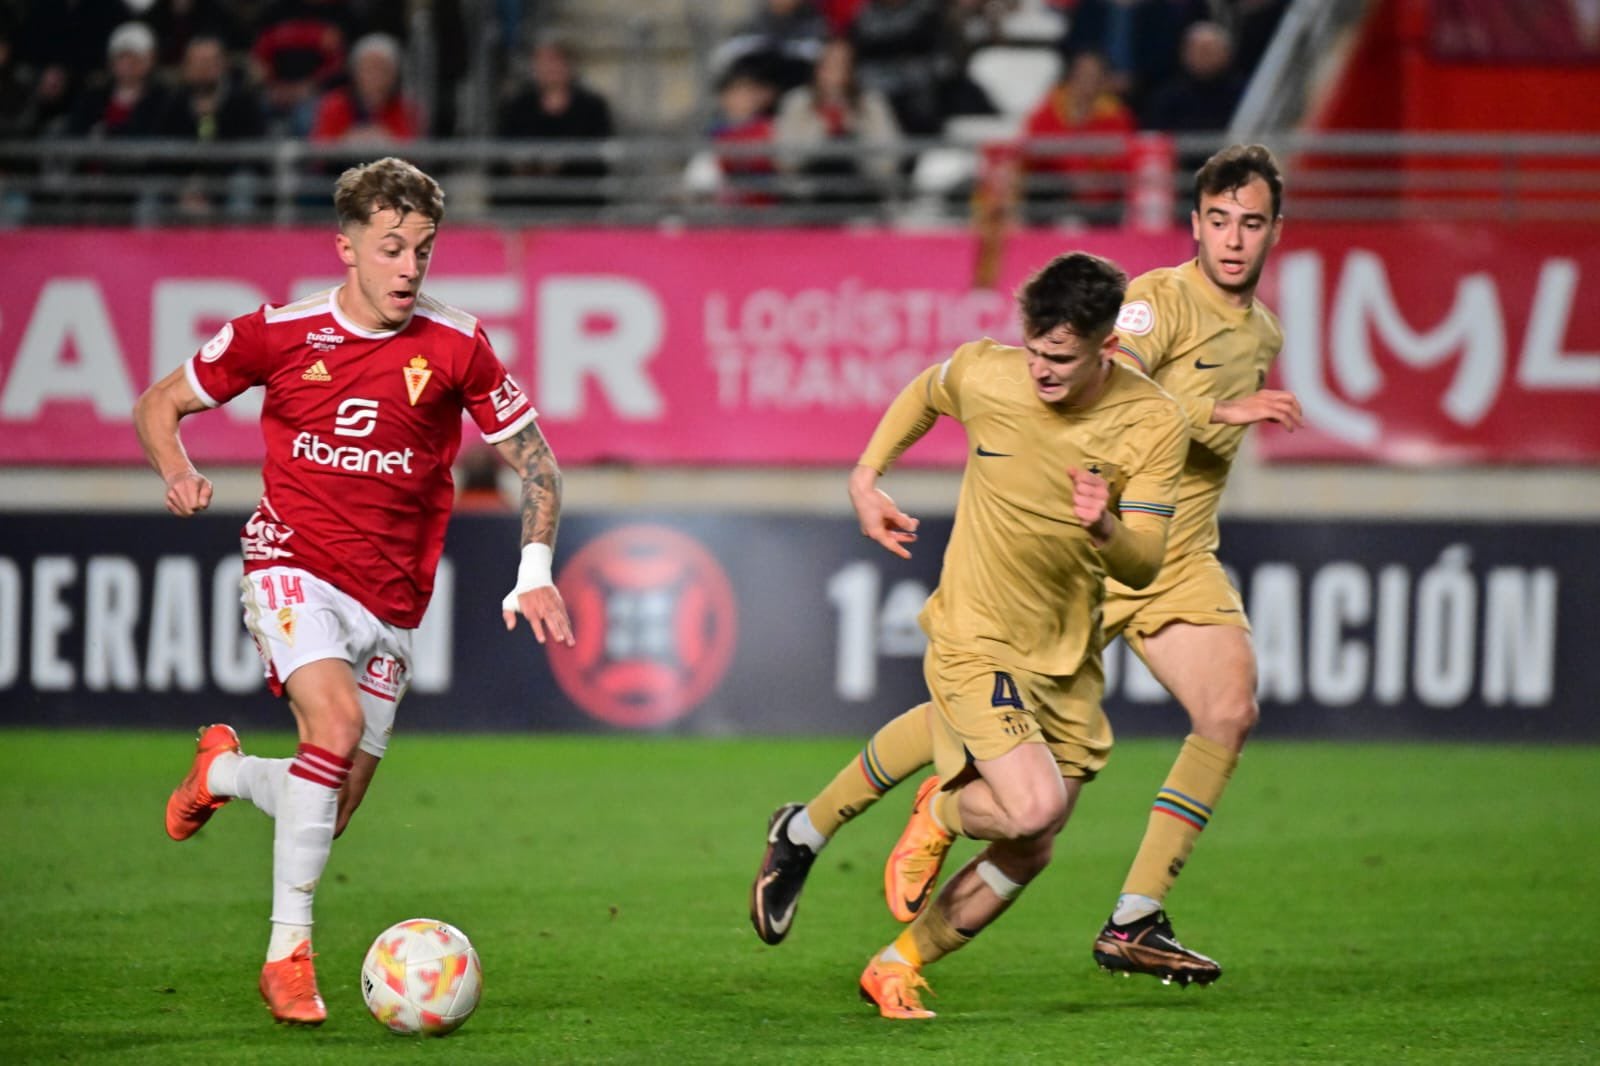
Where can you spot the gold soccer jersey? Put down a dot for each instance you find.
(1022, 584)
(1177, 327)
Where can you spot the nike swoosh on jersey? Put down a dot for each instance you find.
(1201, 364)
(986, 452)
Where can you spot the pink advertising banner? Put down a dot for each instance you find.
(1439, 344)
(1407, 344)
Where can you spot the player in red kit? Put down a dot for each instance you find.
(365, 385)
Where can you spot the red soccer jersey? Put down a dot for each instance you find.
(360, 429)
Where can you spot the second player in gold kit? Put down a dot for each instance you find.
(1199, 331)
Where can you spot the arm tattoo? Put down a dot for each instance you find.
(531, 457)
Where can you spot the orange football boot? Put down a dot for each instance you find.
(892, 986)
(190, 806)
(913, 867)
(290, 988)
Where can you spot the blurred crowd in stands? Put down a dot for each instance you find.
(824, 101)
(832, 88)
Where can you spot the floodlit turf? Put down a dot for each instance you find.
(1370, 904)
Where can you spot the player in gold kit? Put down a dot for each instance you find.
(1073, 469)
(1199, 332)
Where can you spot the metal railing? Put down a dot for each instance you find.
(689, 181)
(1280, 88)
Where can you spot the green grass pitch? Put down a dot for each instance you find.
(1369, 903)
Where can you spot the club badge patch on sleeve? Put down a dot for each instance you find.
(213, 348)
(1137, 318)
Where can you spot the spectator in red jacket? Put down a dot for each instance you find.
(372, 109)
(1081, 104)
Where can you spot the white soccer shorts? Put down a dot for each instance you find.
(297, 618)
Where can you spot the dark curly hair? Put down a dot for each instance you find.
(1080, 291)
(1233, 167)
(388, 184)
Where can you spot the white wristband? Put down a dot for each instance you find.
(533, 572)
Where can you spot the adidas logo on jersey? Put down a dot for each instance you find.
(317, 371)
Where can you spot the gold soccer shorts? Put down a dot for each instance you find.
(984, 709)
(1192, 588)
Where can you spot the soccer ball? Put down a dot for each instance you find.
(421, 976)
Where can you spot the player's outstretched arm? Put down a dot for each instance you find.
(911, 414)
(1268, 405)
(535, 596)
(880, 519)
(155, 416)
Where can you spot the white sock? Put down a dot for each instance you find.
(801, 831)
(222, 777)
(892, 954)
(285, 938)
(1130, 908)
(303, 835)
(933, 812)
(258, 780)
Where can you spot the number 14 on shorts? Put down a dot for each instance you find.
(281, 589)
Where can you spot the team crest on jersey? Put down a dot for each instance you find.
(1110, 473)
(286, 623)
(213, 348)
(1137, 318)
(317, 371)
(325, 339)
(417, 375)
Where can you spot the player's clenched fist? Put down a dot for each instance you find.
(1091, 503)
(188, 494)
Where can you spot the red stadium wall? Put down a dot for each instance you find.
(1410, 71)
(1466, 66)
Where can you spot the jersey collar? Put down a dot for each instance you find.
(1197, 278)
(351, 327)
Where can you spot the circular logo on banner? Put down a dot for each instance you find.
(212, 350)
(656, 624)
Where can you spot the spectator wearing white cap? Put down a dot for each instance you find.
(126, 101)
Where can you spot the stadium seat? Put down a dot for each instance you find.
(1016, 78)
(1034, 22)
(942, 170)
(945, 169)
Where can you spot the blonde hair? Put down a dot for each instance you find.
(388, 184)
